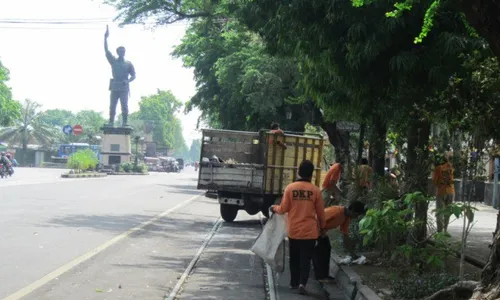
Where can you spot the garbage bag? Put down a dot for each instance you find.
(270, 244)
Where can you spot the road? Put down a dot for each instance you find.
(121, 237)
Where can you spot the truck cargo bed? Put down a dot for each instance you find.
(239, 178)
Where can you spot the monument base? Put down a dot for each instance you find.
(116, 147)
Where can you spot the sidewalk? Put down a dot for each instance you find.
(480, 237)
(314, 288)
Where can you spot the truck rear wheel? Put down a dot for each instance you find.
(228, 212)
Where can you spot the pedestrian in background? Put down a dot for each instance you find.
(443, 180)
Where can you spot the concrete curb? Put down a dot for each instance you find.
(348, 281)
(126, 173)
(93, 175)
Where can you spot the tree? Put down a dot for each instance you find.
(240, 86)
(161, 108)
(9, 109)
(195, 150)
(179, 144)
(58, 117)
(90, 120)
(29, 128)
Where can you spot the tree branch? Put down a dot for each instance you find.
(460, 290)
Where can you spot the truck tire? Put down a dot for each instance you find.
(228, 212)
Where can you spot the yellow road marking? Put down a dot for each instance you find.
(75, 262)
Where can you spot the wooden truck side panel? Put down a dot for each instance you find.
(282, 164)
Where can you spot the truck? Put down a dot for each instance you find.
(250, 170)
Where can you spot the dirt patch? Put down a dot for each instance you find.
(383, 278)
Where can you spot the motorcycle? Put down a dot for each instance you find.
(2, 171)
(10, 170)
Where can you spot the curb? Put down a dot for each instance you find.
(126, 173)
(348, 281)
(83, 175)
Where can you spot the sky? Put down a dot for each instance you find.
(63, 66)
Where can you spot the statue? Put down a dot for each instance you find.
(119, 84)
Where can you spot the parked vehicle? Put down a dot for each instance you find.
(180, 163)
(169, 164)
(2, 171)
(250, 170)
(153, 163)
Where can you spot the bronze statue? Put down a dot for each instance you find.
(119, 84)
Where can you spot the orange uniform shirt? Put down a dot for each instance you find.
(272, 138)
(332, 175)
(303, 202)
(336, 217)
(442, 177)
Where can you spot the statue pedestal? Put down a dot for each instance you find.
(116, 146)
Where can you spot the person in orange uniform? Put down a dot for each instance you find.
(306, 216)
(336, 217)
(275, 129)
(442, 177)
(365, 175)
(330, 184)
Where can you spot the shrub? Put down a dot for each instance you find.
(126, 167)
(83, 160)
(140, 168)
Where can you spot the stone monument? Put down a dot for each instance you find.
(116, 146)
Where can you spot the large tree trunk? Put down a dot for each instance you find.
(417, 173)
(339, 140)
(489, 287)
(378, 144)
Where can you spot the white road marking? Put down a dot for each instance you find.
(193, 262)
(75, 262)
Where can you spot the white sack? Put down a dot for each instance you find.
(270, 244)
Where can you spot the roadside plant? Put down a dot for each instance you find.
(83, 160)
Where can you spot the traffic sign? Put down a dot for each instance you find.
(77, 130)
(67, 129)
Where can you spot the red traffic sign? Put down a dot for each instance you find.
(77, 129)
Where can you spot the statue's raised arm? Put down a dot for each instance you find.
(109, 56)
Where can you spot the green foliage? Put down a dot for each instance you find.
(384, 226)
(126, 167)
(419, 286)
(195, 150)
(389, 228)
(140, 168)
(29, 128)
(9, 109)
(240, 86)
(130, 167)
(58, 117)
(160, 109)
(83, 160)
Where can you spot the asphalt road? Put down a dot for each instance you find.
(121, 237)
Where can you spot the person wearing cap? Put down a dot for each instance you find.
(306, 218)
(336, 217)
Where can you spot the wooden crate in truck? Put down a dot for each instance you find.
(250, 170)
